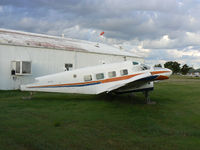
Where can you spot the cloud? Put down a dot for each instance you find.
(158, 30)
(1, 9)
(189, 55)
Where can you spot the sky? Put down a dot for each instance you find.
(159, 30)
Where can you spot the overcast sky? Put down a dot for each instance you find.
(160, 30)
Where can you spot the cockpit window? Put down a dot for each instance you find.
(145, 67)
(135, 63)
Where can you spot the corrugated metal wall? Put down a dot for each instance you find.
(46, 61)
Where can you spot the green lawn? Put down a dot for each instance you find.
(80, 122)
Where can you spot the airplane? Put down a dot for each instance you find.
(114, 78)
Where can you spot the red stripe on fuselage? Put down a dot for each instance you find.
(119, 78)
(102, 81)
(158, 72)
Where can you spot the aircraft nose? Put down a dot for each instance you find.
(170, 72)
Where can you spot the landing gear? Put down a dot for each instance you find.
(148, 100)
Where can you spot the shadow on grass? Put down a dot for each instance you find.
(122, 98)
(129, 98)
(12, 93)
(40, 96)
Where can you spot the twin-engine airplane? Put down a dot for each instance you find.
(114, 78)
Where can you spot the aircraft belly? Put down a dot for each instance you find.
(135, 88)
(89, 89)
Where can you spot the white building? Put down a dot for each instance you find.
(24, 56)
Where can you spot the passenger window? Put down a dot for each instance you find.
(123, 72)
(100, 76)
(111, 74)
(87, 78)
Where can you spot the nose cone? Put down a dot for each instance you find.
(169, 72)
(162, 73)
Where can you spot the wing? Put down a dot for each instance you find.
(133, 83)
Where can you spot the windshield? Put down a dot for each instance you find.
(145, 67)
(135, 63)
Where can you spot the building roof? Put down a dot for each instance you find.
(18, 38)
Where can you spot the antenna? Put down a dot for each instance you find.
(101, 36)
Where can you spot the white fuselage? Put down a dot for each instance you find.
(98, 79)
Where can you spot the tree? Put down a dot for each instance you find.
(185, 69)
(192, 70)
(158, 65)
(174, 66)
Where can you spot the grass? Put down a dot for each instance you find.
(181, 77)
(53, 121)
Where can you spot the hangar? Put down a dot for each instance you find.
(24, 56)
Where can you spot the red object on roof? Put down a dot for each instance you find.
(102, 33)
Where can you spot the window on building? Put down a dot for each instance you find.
(68, 67)
(111, 74)
(21, 67)
(124, 72)
(99, 76)
(26, 67)
(88, 78)
(17, 67)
